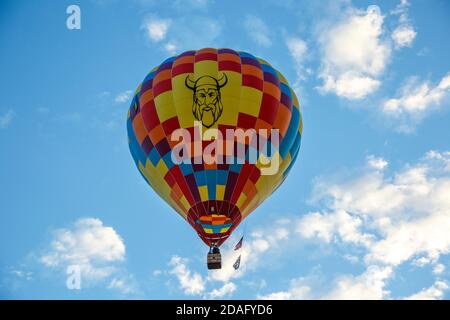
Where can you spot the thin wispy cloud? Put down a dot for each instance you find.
(257, 30)
(404, 34)
(6, 119)
(124, 97)
(179, 34)
(298, 49)
(415, 100)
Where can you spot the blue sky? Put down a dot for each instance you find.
(365, 212)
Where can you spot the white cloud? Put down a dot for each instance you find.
(407, 213)
(27, 275)
(438, 269)
(6, 119)
(157, 273)
(157, 28)
(368, 286)
(257, 30)
(338, 224)
(404, 34)
(123, 96)
(298, 290)
(170, 47)
(351, 85)
(416, 99)
(394, 219)
(298, 49)
(354, 54)
(95, 248)
(192, 283)
(124, 284)
(184, 33)
(376, 163)
(226, 290)
(435, 292)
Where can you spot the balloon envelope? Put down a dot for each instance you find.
(210, 93)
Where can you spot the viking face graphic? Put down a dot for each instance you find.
(206, 106)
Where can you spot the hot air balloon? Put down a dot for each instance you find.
(179, 125)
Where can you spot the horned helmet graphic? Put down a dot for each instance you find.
(207, 106)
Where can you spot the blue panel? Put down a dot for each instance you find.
(290, 134)
(186, 168)
(222, 176)
(246, 55)
(269, 69)
(200, 178)
(286, 90)
(154, 157)
(135, 148)
(168, 160)
(235, 167)
(211, 180)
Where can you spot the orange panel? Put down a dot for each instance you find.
(252, 70)
(272, 89)
(139, 128)
(157, 134)
(282, 120)
(229, 57)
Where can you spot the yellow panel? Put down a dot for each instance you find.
(184, 112)
(230, 111)
(184, 202)
(160, 186)
(254, 202)
(250, 107)
(281, 77)
(138, 88)
(231, 99)
(208, 230)
(223, 230)
(251, 94)
(166, 111)
(161, 168)
(164, 99)
(220, 192)
(241, 200)
(203, 192)
(205, 68)
(179, 89)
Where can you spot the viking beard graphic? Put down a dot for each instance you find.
(207, 107)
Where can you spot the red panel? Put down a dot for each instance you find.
(149, 115)
(269, 108)
(206, 56)
(161, 87)
(183, 68)
(229, 66)
(243, 177)
(252, 81)
(170, 125)
(246, 121)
